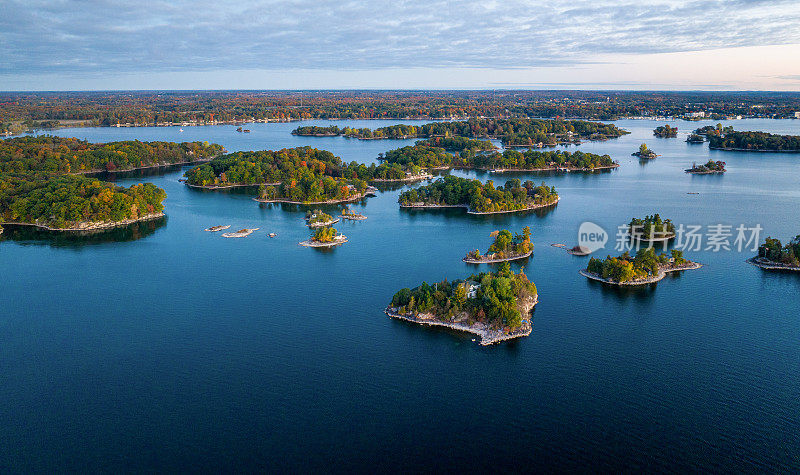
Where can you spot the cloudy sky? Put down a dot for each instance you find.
(321, 44)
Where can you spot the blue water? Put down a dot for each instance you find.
(170, 348)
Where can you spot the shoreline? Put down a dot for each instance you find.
(469, 260)
(650, 280)
(160, 165)
(770, 265)
(222, 187)
(488, 336)
(402, 180)
(92, 226)
(469, 210)
(550, 169)
(709, 172)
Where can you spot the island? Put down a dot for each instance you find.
(710, 167)
(506, 247)
(645, 268)
(514, 132)
(318, 219)
(645, 153)
(695, 138)
(774, 256)
(435, 158)
(43, 182)
(347, 214)
(214, 229)
(240, 233)
(665, 131)
(324, 237)
(477, 198)
(754, 142)
(495, 306)
(651, 229)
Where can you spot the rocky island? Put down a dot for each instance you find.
(646, 268)
(665, 131)
(318, 219)
(774, 256)
(506, 247)
(494, 306)
(479, 198)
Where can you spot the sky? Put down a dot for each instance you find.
(400, 44)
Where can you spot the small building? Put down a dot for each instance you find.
(797, 115)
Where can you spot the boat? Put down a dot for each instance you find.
(272, 235)
(214, 229)
(180, 130)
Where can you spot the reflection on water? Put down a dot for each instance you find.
(27, 235)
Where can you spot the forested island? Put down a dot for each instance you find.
(645, 153)
(435, 158)
(506, 247)
(318, 219)
(709, 130)
(651, 228)
(665, 131)
(710, 167)
(695, 138)
(495, 306)
(754, 142)
(41, 183)
(517, 132)
(458, 144)
(646, 267)
(773, 255)
(479, 198)
(324, 237)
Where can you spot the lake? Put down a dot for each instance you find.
(167, 348)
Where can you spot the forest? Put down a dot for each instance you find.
(495, 301)
(506, 245)
(709, 167)
(788, 254)
(46, 153)
(756, 141)
(624, 268)
(478, 197)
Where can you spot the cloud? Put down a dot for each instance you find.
(110, 37)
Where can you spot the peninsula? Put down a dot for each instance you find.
(646, 268)
(477, 198)
(494, 306)
(506, 247)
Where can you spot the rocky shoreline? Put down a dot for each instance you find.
(766, 264)
(488, 335)
(338, 240)
(329, 202)
(322, 225)
(223, 187)
(549, 169)
(650, 280)
(91, 226)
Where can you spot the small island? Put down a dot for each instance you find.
(695, 138)
(754, 142)
(240, 233)
(710, 167)
(318, 219)
(774, 256)
(479, 198)
(665, 131)
(214, 229)
(651, 229)
(324, 237)
(646, 268)
(347, 214)
(645, 153)
(506, 247)
(494, 306)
